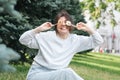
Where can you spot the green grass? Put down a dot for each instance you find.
(95, 66)
(20, 74)
(90, 66)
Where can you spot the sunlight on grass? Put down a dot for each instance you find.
(89, 73)
(90, 66)
(99, 65)
(95, 66)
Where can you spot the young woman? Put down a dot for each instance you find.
(57, 48)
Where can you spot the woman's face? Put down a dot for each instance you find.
(61, 26)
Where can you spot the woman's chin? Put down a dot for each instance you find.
(64, 31)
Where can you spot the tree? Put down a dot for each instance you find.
(10, 31)
(40, 11)
(34, 12)
(7, 6)
(99, 7)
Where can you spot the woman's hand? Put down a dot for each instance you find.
(84, 27)
(43, 27)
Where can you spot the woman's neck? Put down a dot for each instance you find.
(63, 36)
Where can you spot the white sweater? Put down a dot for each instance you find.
(54, 52)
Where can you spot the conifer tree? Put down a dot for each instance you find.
(34, 13)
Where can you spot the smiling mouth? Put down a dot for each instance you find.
(63, 28)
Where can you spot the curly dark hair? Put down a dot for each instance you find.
(64, 13)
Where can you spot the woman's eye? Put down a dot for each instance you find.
(68, 23)
(59, 22)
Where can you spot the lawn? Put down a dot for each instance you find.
(90, 66)
(96, 66)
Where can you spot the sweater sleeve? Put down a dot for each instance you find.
(28, 39)
(86, 43)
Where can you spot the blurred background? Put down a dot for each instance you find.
(18, 16)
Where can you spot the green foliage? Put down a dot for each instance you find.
(7, 6)
(34, 13)
(103, 5)
(117, 7)
(10, 31)
(11, 28)
(113, 22)
(91, 6)
(96, 10)
(6, 55)
(46, 10)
